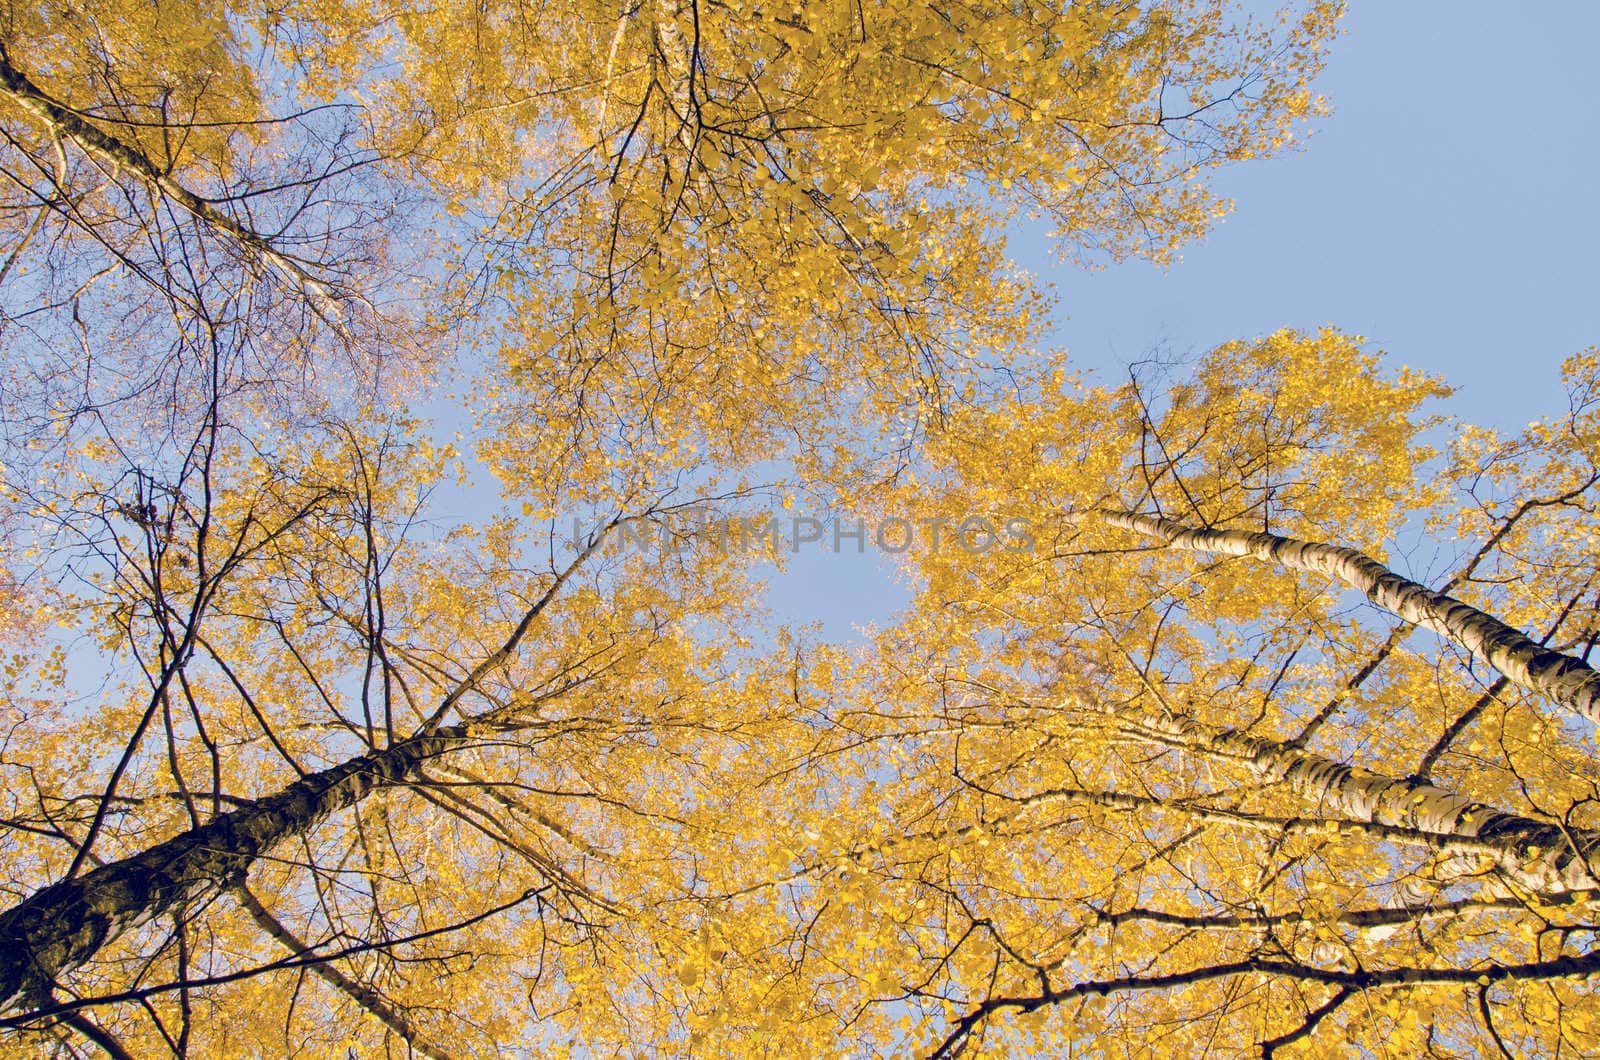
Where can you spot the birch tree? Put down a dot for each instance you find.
(1212, 770)
(310, 746)
(314, 682)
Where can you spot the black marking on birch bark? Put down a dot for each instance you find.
(63, 925)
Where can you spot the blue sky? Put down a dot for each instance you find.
(1445, 211)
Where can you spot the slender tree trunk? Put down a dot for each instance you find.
(119, 155)
(1538, 855)
(369, 999)
(62, 926)
(1565, 679)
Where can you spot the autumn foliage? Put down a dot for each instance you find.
(1270, 731)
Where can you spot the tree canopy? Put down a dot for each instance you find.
(401, 406)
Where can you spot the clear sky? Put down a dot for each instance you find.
(1446, 211)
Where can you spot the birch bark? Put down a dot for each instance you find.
(369, 999)
(1541, 856)
(62, 926)
(17, 87)
(1567, 680)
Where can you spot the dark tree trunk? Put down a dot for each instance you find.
(65, 924)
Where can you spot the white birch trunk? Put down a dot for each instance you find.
(1566, 680)
(1537, 855)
